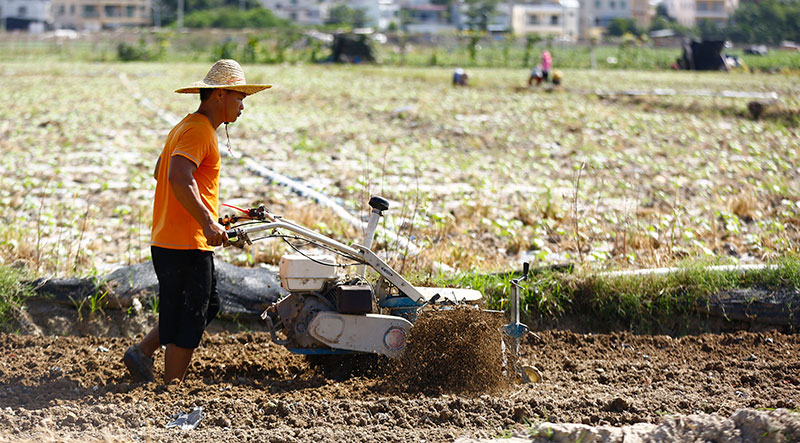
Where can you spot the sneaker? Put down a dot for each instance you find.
(139, 365)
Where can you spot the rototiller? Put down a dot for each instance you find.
(331, 312)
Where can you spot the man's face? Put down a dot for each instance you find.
(233, 104)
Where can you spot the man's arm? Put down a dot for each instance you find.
(181, 180)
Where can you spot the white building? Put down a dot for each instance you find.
(717, 11)
(303, 12)
(25, 15)
(690, 12)
(604, 11)
(683, 11)
(94, 15)
(426, 18)
(548, 18)
(380, 13)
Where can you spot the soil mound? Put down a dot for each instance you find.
(455, 351)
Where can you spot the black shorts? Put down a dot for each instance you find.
(188, 297)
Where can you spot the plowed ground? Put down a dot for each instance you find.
(75, 388)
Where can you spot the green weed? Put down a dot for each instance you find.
(96, 301)
(154, 304)
(13, 293)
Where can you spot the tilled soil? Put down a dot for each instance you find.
(76, 388)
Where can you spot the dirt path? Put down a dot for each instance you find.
(75, 388)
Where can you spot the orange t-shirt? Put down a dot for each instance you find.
(173, 226)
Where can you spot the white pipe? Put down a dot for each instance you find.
(664, 271)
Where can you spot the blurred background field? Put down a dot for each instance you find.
(482, 178)
(296, 46)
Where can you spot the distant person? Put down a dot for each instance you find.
(460, 77)
(547, 64)
(557, 77)
(541, 72)
(536, 76)
(185, 224)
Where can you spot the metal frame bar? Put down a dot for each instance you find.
(357, 253)
(297, 229)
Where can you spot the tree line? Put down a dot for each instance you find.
(755, 21)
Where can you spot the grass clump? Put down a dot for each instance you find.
(784, 273)
(13, 293)
(644, 302)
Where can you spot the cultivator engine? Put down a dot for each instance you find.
(331, 312)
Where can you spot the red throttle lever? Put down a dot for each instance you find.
(259, 213)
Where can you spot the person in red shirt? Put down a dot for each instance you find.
(185, 228)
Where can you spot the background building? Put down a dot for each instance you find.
(716, 11)
(380, 13)
(94, 15)
(25, 15)
(302, 12)
(425, 18)
(642, 12)
(546, 18)
(683, 11)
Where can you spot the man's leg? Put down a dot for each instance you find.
(150, 342)
(176, 361)
(139, 357)
(200, 305)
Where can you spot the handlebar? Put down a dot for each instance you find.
(302, 231)
(526, 266)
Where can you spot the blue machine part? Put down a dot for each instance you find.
(402, 307)
(516, 330)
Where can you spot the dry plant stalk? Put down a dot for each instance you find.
(744, 205)
(575, 215)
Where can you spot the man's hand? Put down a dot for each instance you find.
(215, 234)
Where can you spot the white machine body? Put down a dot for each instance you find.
(381, 334)
(299, 273)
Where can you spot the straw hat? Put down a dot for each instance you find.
(225, 74)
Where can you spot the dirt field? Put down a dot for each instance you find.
(483, 178)
(76, 388)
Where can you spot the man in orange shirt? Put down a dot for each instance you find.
(185, 228)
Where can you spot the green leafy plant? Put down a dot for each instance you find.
(96, 301)
(13, 293)
(154, 300)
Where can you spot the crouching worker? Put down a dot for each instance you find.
(557, 77)
(536, 76)
(542, 71)
(185, 228)
(460, 77)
